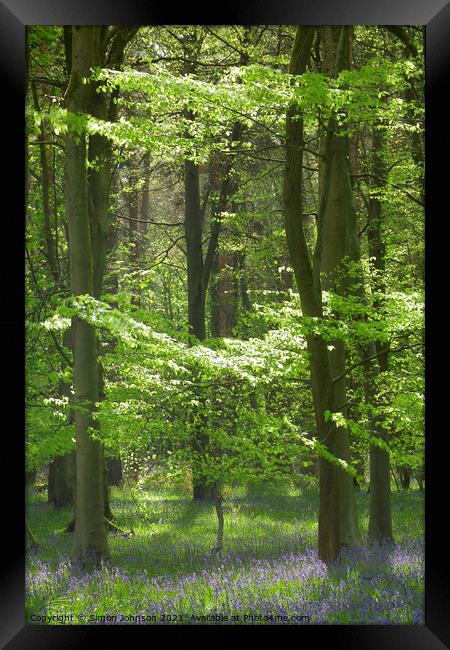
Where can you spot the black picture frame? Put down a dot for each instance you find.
(435, 15)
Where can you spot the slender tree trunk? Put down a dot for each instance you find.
(405, 477)
(228, 292)
(102, 106)
(395, 479)
(246, 304)
(90, 543)
(30, 478)
(46, 181)
(135, 243)
(62, 496)
(51, 483)
(380, 516)
(60, 473)
(196, 302)
(106, 495)
(60, 469)
(145, 197)
(308, 282)
(420, 477)
(218, 504)
(60, 488)
(61, 485)
(114, 471)
(224, 287)
(31, 542)
(215, 302)
(64, 466)
(199, 266)
(193, 234)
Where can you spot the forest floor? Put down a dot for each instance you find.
(269, 571)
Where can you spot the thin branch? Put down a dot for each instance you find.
(373, 356)
(48, 81)
(150, 221)
(219, 38)
(46, 142)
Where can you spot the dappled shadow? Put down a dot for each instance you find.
(163, 554)
(264, 527)
(180, 510)
(279, 510)
(187, 511)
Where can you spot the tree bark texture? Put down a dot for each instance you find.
(308, 283)
(90, 540)
(193, 233)
(337, 241)
(102, 106)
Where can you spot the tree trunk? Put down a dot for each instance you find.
(101, 105)
(63, 467)
(114, 471)
(308, 282)
(145, 197)
(218, 504)
(196, 301)
(420, 478)
(405, 477)
(380, 516)
(193, 233)
(106, 494)
(30, 540)
(224, 287)
(338, 240)
(46, 180)
(31, 543)
(90, 542)
(214, 293)
(395, 479)
(62, 496)
(51, 483)
(59, 488)
(30, 478)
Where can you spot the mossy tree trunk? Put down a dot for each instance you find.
(336, 233)
(90, 540)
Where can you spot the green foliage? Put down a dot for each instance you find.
(249, 391)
